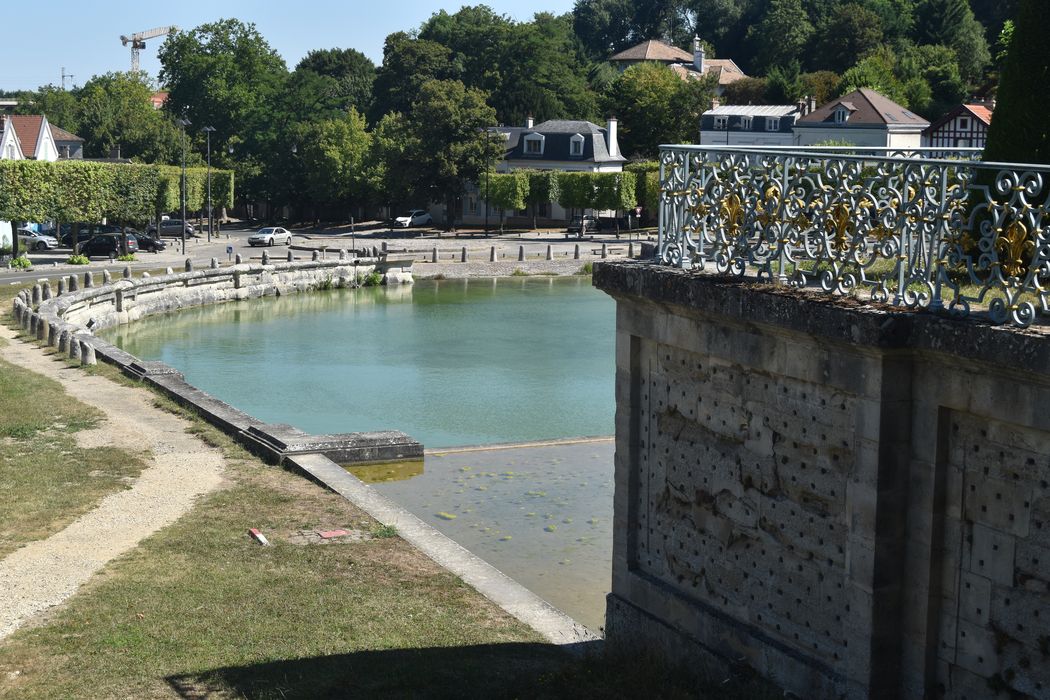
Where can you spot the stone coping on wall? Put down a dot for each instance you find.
(43, 314)
(842, 319)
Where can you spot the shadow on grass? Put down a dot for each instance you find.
(481, 671)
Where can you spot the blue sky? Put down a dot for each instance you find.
(85, 37)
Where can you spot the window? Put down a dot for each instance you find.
(721, 123)
(576, 145)
(772, 123)
(841, 115)
(964, 123)
(472, 205)
(745, 123)
(962, 143)
(534, 144)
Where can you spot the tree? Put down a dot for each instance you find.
(821, 85)
(604, 27)
(876, 71)
(476, 38)
(352, 71)
(59, 105)
(784, 84)
(508, 191)
(746, 91)
(852, 31)
(1020, 131)
(931, 76)
(656, 106)
(781, 35)
(333, 155)
(952, 23)
(408, 63)
(115, 113)
(724, 23)
(390, 170)
(447, 123)
(543, 188)
(896, 17)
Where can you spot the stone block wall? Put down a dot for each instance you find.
(849, 501)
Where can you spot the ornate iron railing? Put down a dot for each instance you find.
(936, 233)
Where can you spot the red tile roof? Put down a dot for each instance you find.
(652, 50)
(981, 112)
(27, 128)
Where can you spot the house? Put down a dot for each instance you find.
(557, 144)
(964, 126)
(70, 146)
(861, 118)
(24, 137)
(749, 125)
(158, 99)
(686, 66)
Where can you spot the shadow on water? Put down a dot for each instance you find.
(480, 671)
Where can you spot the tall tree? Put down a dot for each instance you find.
(352, 71)
(408, 63)
(333, 154)
(115, 114)
(59, 105)
(952, 23)
(784, 84)
(851, 32)
(1020, 131)
(477, 38)
(447, 123)
(781, 36)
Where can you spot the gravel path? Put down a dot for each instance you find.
(47, 572)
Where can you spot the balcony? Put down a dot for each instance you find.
(929, 229)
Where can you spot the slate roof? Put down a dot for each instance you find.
(27, 128)
(867, 109)
(557, 135)
(59, 134)
(653, 50)
(752, 110)
(724, 69)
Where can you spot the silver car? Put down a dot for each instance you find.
(271, 235)
(33, 240)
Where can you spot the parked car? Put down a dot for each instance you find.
(148, 243)
(581, 225)
(416, 217)
(106, 243)
(33, 240)
(171, 227)
(86, 232)
(271, 235)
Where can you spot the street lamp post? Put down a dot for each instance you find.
(183, 123)
(486, 181)
(208, 130)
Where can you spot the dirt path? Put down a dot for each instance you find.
(181, 468)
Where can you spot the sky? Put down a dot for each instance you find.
(84, 38)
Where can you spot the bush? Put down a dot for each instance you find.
(372, 279)
(126, 258)
(586, 269)
(21, 262)
(77, 260)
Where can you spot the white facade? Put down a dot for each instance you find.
(11, 148)
(873, 137)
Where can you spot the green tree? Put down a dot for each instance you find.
(931, 76)
(656, 106)
(352, 72)
(389, 168)
(746, 91)
(781, 36)
(1020, 131)
(408, 63)
(543, 189)
(821, 85)
(450, 148)
(333, 154)
(952, 23)
(477, 39)
(784, 84)
(851, 32)
(116, 113)
(896, 17)
(604, 27)
(876, 71)
(508, 191)
(59, 105)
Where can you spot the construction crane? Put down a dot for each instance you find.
(138, 41)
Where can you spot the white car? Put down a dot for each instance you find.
(416, 217)
(271, 235)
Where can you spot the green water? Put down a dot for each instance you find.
(453, 362)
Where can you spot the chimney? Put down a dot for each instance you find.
(610, 135)
(715, 103)
(698, 55)
(812, 104)
(528, 122)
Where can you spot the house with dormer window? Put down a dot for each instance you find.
(862, 118)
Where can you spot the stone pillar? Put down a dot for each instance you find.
(342, 254)
(434, 255)
(189, 263)
(89, 279)
(630, 250)
(265, 258)
(316, 256)
(37, 291)
(492, 254)
(236, 279)
(74, 283)
(45, 291)
(74, 347)
(52, 334)
(521, 253)
(215, 263)
(61, 286)
(576, 252)
(463, 255)
(145, 275)
(42, 328)
(375, 252)
(550, 252)
(237, 259)
(127, 272)
(106, 277)
(87, 354)
(605, 251)
(291, 258)
(118, 299)
(63, 341)
(384, 246)
(169, 271)
(34, 319)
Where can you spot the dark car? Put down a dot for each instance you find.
(148, 243)
(87, 232)
(581, 225)
(171, 227)
(106, 244)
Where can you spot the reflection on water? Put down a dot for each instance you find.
(452, 362)
(542, 515)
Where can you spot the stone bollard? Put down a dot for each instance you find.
(630, 250)
(265, 258)
(342, 254)
(36, 294)
(384, 246)
(145, 275)
(492, 254)
(215, 263)
(237, 259)
(463, 255)
(106, 277)
(375, 252)
(576, 252)
(87, 354)
(53, 332)
(291, 258)
(169, 271)
(521, 253)
(74, 284)
(127, 272)
(434, 255)
(189, 263)
(61, 286)
(42, 328)
(89, 280)
(34, 320)
(605, 251)
(45, 291)
(316, 256)
(63, 341)
(550, 252)
(74, 347)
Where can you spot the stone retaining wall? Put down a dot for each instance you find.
(851, 501)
